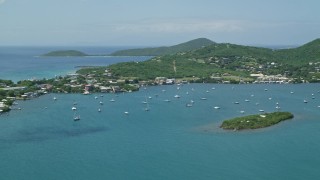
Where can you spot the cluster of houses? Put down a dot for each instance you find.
(271, 79)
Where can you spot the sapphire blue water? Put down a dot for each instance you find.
(170, 141)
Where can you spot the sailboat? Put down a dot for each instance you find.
(147, 105)
(76, 117)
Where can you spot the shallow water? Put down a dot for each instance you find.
(171, 141)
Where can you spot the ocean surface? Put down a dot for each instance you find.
(170, 141)
(21, 63)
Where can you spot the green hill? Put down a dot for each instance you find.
(63, 53)
(187, 46)
(309, 52)
(227, 62)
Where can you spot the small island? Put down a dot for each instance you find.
(256, 121)
(65, 53)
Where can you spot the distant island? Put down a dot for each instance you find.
(65, 53)
(256, 121)
(158, 51)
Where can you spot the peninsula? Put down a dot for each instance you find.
(256, 121)
(165, 50)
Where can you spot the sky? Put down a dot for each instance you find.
(157, 22)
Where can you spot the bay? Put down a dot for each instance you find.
(22, 63)
(170, 141)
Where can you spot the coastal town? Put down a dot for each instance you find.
(103, 81)
(208, 62)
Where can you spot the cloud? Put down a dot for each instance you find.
(181, 26)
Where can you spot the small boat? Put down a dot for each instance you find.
(236, 102)
(76, 118)
(261, 110)
(305, 101)
(189, 105)
(99, 110)
(203, 98)
(96, 97)
(242, 112)
(126, 112)
(216, 107)
(247, 100)
(74, 108)
(101, 102)
(112, 100)
(167, 100)
(54, 98)
(177, 96)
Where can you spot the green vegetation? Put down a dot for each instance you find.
(183, 47)
(223, 60)
(256, 121)
(64, 53)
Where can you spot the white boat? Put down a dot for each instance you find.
(74, 108)
(101, 102)
(112, 100)
(247, 100)
(189, 105)
(54, 98)
(216, 107)
(236, 102)
(261, 110)
(203, 98)
(242, 112)
(126, 112)
(76, 118)
(305, 101)
(167, 100)
(99, 110)
(177, 96)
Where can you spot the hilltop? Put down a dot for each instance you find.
(158, 51)
(229, 62)
(64, 53)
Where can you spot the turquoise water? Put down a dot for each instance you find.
(21, 63)
(171, 141)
